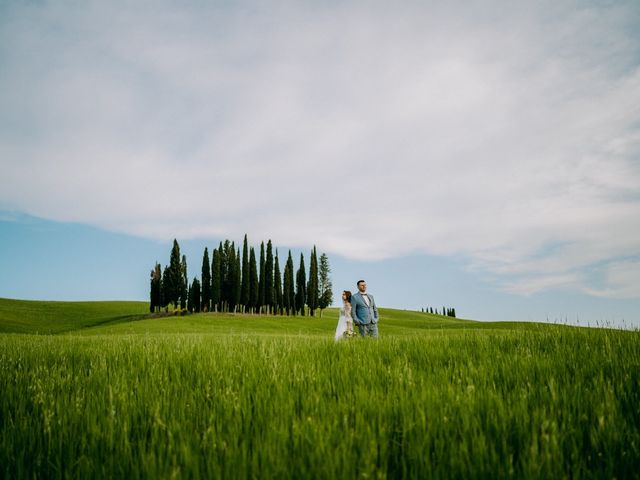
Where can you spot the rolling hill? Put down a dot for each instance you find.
(45, 317)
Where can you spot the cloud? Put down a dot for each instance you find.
(620, 281)
(504, 134)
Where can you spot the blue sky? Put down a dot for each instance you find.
(484, 155)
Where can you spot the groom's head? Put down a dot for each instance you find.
(362, 286)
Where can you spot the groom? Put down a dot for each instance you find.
(364, 311)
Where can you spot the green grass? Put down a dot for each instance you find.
(224, 396)
(28, 316)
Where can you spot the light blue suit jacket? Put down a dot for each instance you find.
(361, 313)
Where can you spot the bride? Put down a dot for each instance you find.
(345, 322)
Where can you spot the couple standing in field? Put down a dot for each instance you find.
(359, 309)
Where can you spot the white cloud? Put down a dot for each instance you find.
(621, 281)
(504, 135)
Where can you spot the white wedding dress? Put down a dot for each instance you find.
(341, 329)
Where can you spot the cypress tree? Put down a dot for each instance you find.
(230, 284)
(184, 284)
(167, 287)
(156, 289)
(453, 313)
(312, 286)
(288, 293)
(269, 292)
(301, 287)
(277, 287)
(194, 295)
(216, 280)
(152, 297)
(324, 284)
(206, 281)
(253, 281)
(244, 289)
(224, 275)
(261, 282)
(237, 281)
(174, 280)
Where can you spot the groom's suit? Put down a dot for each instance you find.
(365, 315)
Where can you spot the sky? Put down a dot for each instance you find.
(481, 154)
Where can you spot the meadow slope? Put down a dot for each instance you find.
(119, 394)
(92, 318)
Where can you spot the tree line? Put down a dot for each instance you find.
(446, 312)
(234, 281)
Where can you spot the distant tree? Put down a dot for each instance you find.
(244, 289)
(166, 287)
(301, 287)
(261, 281)
(184, 285)
(231, 278)
(277, 287)
(253, 281)
(206, 281)
(453, 313)
(288, 290)
(269, 291)
(174, 280)
(224, 274)
(216, 279)
(194, 295)
(156, 289)
(324, 284)
(237, 282)
(312, 286)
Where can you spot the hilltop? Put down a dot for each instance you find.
(45, 317)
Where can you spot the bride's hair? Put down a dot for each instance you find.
(347, 294)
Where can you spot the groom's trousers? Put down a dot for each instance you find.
(368, 330)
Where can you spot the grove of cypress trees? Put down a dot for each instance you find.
(301, 287)
(206, 281)
(231, 281)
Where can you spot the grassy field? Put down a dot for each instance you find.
(116, 394)
(25, 316)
